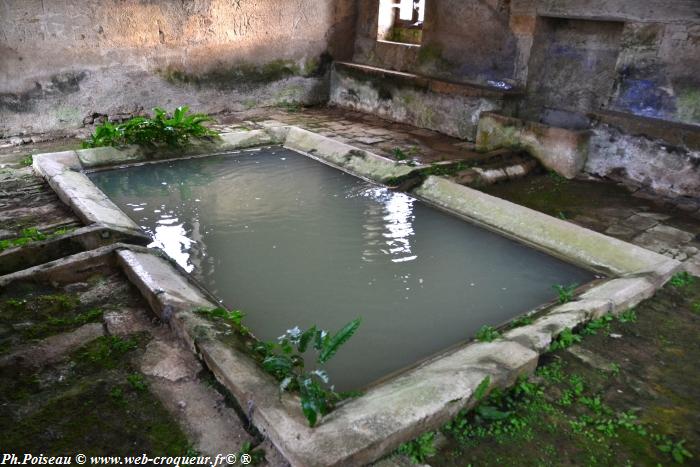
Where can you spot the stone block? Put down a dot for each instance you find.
(564, 151)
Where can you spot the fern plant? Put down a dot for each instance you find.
(285, 361)
(163, 128)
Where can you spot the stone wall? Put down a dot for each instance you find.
(636, 56)
(452, 109)
(466, 41)
(570, 60)
(65, 60)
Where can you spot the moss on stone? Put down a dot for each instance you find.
(246, 74)
(233, 76)
(37, 315)
(688, 105)
(86, 403)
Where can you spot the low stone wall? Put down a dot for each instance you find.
(450, 108)
(648, 155)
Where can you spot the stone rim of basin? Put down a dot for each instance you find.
(400, 408)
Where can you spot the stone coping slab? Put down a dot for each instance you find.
(433, 84)
(399, 408)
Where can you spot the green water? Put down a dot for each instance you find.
(291, 241)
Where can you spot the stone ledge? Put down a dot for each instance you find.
(345, 157)
(81, 239)
(674, 133)
(560, 238)
(430, 84)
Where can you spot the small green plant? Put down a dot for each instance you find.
(565, 293)
(522, 321)
(58, 302)
(163, 128)
(117, 394)
(598, 324)
(420, 448)
(615, 369)
(29, 235)
(681, 280)
(106, 351)
(234, 317)
(677, 450)
(556, 178)
(285, 361)
(137, 382)
(291, 106)
(576, 384)
(16, 304)
(487, 334)
(254, 456)
(552, 373)
(27, 160)
(482, 388)
(564, 340)
(628, 316)
(398, 154)
(696, 307)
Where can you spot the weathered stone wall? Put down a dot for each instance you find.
(574, 60)
(636, 56)
(467, 41)
(450, 109)
(63, 60)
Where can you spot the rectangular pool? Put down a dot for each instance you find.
(291, 241)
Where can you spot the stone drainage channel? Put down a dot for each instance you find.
(394, 411)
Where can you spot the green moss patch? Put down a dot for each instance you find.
(40, 314)
(94, 402)
(245, 74)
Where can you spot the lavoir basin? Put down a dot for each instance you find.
(282, 234)
(291, 241)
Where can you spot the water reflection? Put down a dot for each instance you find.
(388, 226)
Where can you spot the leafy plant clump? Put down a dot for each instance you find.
(285, 361)
(162, 129)
(234, 317)
(27, 160)
(564, 340)
(29, 235)
(487, 334)
(254, 456)
(565, 293)
(681, 280)
(419, 449)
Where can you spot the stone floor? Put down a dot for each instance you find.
(85, 368)
(667, 328)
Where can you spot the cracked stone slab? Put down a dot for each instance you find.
(590, 358)
(663, 238)
(692, 265)
(638, 222)
(623, 293)
(621, 230)
(126, 321)
(213, 427)
(369, 139)
(170, 362)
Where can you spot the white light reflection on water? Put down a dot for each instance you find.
(389, 225)
(172, 238)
